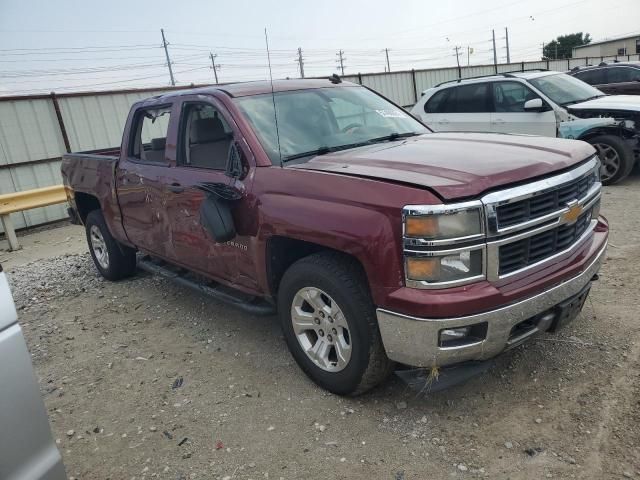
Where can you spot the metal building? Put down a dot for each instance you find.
(616, 46)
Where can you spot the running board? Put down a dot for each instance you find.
(252, 305)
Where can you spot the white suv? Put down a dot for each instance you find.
(540, 103)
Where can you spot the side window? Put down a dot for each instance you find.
(149, 137)
(472, 98)
(511, 96)
(437, 102)
(592, 77)
(623, 74)
(205, 137)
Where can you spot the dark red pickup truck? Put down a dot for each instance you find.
(375, 240)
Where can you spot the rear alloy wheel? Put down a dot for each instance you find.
(329, 322)
(99, 247)
(112, 259)
(616, 157)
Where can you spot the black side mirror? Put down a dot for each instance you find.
(215, 211)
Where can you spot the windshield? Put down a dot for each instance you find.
(564, 89)
(320, 120)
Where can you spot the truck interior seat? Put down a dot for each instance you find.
(156, 154)
(209, 143)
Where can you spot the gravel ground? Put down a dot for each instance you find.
(145, 379)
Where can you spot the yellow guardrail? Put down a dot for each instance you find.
(26, 200)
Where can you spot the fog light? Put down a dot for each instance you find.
(454, 333)
(463, 336)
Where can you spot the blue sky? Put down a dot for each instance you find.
(65, 45)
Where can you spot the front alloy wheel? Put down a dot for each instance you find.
(321, 329)
(610, 161)
(329, 323)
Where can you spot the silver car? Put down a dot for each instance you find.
(27, 449)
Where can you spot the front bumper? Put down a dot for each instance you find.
(415, 341)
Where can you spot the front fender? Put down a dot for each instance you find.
(582, 127)
(371, 235)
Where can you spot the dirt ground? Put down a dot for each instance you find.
(145, 379)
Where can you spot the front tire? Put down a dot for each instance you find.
(330, 326)
(616, 156)
(113, 260)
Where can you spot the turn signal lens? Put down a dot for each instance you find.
(425, 227)
(442, 226)
(425, 269)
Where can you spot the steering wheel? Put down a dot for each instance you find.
(352, 126)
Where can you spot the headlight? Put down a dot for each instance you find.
(443, 222)
(598, 170)
(446, 267)
(432, 234)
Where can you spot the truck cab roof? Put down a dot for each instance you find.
(245, 89)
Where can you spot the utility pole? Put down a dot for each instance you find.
(506, 37)
(300, 61)
(458, 61)
(556, 55)
(495, 57)
(214, 66)
(166, 52)
(341, 60)
(468, 55)
(386, 52)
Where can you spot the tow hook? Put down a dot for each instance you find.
(595, 278)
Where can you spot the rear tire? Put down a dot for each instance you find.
(616, 156)
(113, 260)
(331, 289)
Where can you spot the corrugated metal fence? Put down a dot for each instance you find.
(35, 131)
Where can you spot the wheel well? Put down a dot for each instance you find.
(282, 252)
(85, 204)
(616, 132)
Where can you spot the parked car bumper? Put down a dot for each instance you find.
(417, 341)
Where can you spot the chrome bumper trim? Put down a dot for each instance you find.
(414, 340)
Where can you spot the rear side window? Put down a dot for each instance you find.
(149, 138)
(623, 74)
(472, 98)
(592, 77)
(436, 103)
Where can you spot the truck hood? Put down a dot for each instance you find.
(456, 165)
(610, 102)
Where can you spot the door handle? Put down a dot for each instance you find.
(176, 188)
(444, 121)
(498, 121)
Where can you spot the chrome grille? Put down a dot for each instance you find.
(544, 203)
(532, 223)
(531, 250)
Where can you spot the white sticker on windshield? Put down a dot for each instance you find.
(391, 113)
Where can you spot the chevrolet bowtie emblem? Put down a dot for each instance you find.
(570, 216)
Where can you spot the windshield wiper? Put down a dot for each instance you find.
(317, 151)
(392, 136)
(324, 150)
(582, 100)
